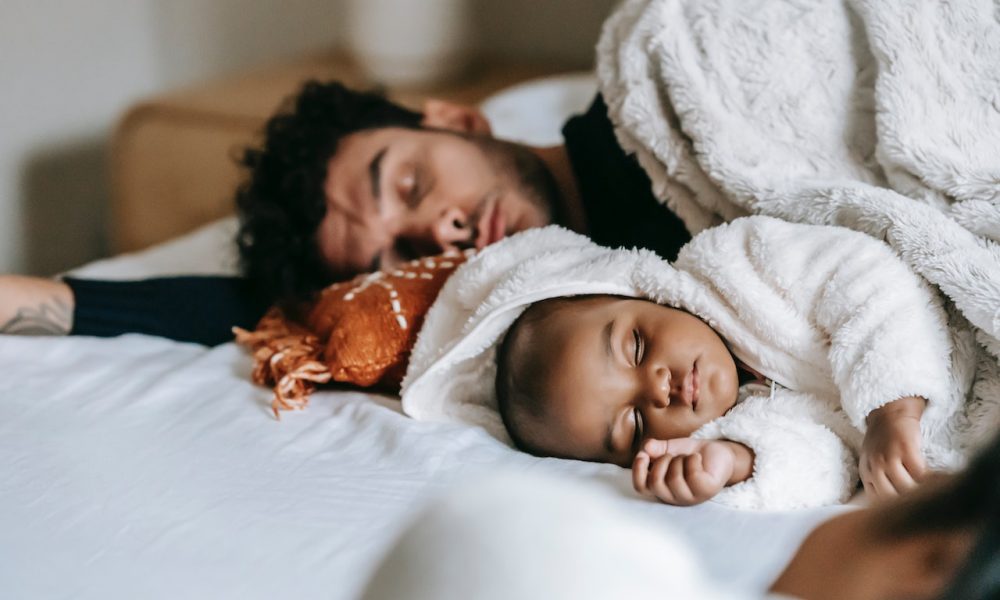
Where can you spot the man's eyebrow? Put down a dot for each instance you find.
(375, 173)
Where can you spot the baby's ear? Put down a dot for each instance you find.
(442, 114)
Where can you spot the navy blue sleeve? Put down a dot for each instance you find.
(186, 309)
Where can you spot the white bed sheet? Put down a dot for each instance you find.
(137, 467)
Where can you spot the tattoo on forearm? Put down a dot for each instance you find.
(48, 318)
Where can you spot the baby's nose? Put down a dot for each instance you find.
(659, 387)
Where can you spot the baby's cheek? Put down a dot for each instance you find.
(726, 389)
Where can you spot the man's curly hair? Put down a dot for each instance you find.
(282, 202)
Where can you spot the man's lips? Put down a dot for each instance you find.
(490, 228)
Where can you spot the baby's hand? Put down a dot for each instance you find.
(683, 471)
(891, 458)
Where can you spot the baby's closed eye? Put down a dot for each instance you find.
(638, 427)
(638, 346)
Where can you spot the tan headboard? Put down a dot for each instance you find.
(173, 157)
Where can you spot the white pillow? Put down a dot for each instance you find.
(534, 112)
(208, 250)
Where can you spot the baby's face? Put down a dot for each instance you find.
(625, 370)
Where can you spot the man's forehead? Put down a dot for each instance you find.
(380, 135)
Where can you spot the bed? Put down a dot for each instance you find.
(138, 467)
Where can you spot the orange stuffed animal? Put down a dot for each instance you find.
(358, 332)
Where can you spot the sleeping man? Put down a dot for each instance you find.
(757, 369)
(346, 182)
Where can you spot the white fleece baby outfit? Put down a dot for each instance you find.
(832, 316)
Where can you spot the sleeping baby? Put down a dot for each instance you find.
(627, 381)
(760, 369)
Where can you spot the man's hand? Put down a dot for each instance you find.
(891, 458)
(34, 306)
(686, 471)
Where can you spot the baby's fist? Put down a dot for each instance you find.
(683, 471)
(892, 460)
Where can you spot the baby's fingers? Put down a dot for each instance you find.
(704, 485)
(906, 473)
(900, 478)
(654, 448)
(640, 472)
(916, 466)
(878, 485)
(674, 446)
(656, 482)
(680, 468)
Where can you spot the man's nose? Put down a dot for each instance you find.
(452, 229)
(658, 386)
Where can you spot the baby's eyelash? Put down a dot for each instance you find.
(638, 346)
(637, 430)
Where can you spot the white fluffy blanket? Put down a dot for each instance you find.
(882, 116)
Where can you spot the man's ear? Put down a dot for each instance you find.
(457, 117)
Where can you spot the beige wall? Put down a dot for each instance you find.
(69, 69)
(562, 30)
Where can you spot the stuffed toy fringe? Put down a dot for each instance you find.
(286, 358)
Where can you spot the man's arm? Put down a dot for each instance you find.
(34, 306)
(200, 309)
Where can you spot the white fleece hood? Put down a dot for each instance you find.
(452, 368)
